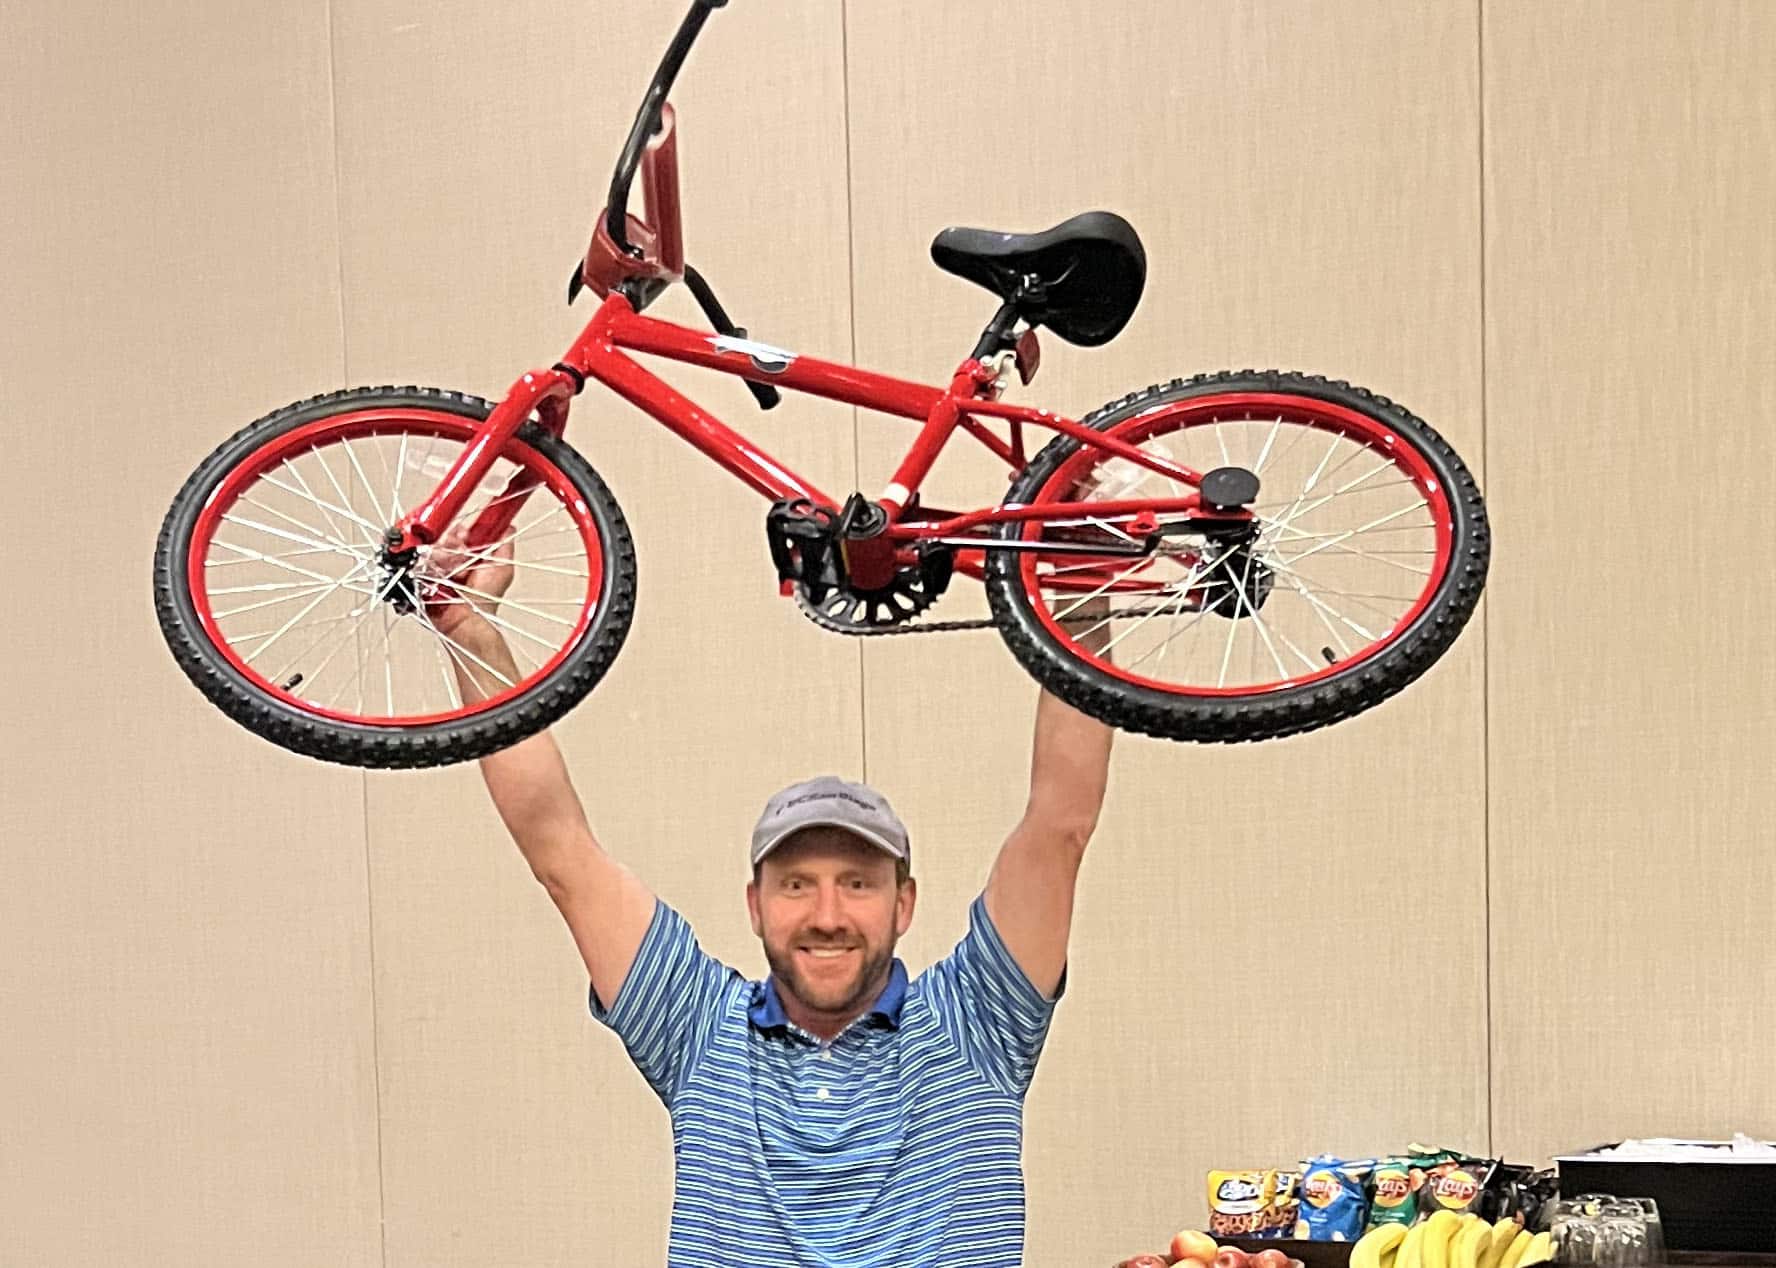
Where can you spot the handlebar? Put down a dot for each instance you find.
(647, 120)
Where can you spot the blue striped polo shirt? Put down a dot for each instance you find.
(897, 1144)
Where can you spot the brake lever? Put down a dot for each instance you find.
(767, 396)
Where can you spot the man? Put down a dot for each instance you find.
(835, 1113)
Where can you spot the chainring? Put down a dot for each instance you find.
(849, 611)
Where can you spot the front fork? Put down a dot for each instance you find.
(546, 394)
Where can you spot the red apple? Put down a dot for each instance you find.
(1145, 1261)
(1190, 1243)
(1271, 1258)
(1232, 1257)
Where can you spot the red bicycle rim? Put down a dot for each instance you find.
(418, 423)
(1256, 409)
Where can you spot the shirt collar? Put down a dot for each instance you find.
(766, 1011)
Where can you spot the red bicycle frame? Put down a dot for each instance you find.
(599, 355)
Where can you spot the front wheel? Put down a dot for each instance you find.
(1363, 557)
(278, 600)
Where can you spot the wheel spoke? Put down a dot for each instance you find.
(1277, 566)
(263, 586)
(303, 491)
(1269, 440)
(276, 561)
(1328, 610)
(319, 534)
(1345, 536)
(448, 659)
(288, 625)
(344, 497)
(1241, 597)
(477, 556)
(459, 650)
(1297, 535)
(325, 620)
(388, 664)
(289, 536)
(1163, 647)
(1233, 627)
(327, 508)
(1298, 510)
(1193, 579)
(356, 616)
(369, 488)
(461, 588)
(327, 588)
(254, 556)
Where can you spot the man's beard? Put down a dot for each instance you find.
(852, 995)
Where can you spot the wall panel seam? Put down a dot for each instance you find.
(851, 305)
(1485, 616)
(363, 776)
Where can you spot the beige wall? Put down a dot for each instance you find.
(257, 1010)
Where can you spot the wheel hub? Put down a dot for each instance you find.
(397, 585)
(1239, 582)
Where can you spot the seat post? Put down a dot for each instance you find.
(997, 337)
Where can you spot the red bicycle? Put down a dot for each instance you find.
(1233, 556)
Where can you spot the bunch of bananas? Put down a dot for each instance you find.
(1448, 1240)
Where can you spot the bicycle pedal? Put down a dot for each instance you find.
(804, 545)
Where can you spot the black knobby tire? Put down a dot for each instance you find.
(387, 746)
(1272, 713)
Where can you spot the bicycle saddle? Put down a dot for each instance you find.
(1081, 279)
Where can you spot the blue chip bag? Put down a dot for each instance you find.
(1332, 1202)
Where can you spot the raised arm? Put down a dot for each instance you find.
(1030, 891)
(607, 908)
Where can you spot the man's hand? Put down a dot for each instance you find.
(485, 576)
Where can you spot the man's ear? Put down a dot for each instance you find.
(903, 906)
(752, 909)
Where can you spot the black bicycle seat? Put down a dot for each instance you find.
(1081, 279)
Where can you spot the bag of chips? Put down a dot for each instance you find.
(1332, 1202)
(1285, 1204)
(1458, 1186)
(1393, 1192)
(1240, 1202)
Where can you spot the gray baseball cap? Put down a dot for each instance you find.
(830, 802)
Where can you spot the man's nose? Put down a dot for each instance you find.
(829, 911)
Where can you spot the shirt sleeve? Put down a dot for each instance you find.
(668, 1005)
(992, 1010)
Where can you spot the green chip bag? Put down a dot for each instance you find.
(1393, 1192)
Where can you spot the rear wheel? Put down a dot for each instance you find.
(1363, 558)
(278, 600)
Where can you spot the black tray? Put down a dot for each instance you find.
(1715, 1206)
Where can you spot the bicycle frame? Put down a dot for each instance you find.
(966, 405)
